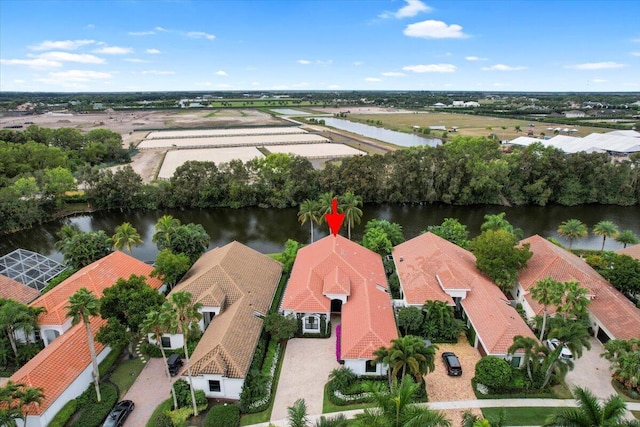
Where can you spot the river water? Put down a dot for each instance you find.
(267, 230)
(384, 135)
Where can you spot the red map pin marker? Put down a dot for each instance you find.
(334, 219)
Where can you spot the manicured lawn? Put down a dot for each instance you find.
(636, 414)
(521, 416)
(126, 373)
(164, 406)
(328, 407)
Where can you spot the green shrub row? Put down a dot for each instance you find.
(258, 384)
(64, 414)
(92, 412)
(152, 350)
(107, 363)
(223, 416)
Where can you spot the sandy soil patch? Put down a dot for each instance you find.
(362, 110)
(174, 159)
(146, 164)
(442, 387)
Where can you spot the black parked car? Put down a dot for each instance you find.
(174, 363)
(118, 414)
(452, 363)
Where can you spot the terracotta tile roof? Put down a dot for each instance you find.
(618, 315)
(328, 265)
(95, 277)
(632, 251)
(429, 265)
(12, 289)
(245, 281)
(56, 366)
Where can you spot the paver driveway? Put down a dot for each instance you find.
(150, 389)
(305, 370)
(442, 387)
(592, 371)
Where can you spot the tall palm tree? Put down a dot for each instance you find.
(298, 414)
(590, 412)
(325, 204)
(627, 237)
(125, 236)
(574, 301)
(349, 203)
(186, 313)
(158, 323)
(82, 306)
(408, 355)
(309, 212)
(395, 408)
(547, 292)
(573, 229)
(605, 229)
(15, 316)
(165, 226)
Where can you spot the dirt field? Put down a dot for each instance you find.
(470, 125)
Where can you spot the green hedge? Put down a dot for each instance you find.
(107, 363)
(92, 413)
(158, 418)
(64, 414)
(222, 416)
(57, 280)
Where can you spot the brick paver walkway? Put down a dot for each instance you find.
(150, 389)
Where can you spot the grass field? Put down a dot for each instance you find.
(468, 125)
(125, 374)
(520, 416)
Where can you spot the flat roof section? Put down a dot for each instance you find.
(317, 151)
(232, 141)
(174, 159)
(200, 133)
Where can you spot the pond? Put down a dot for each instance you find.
(381, 134)
(290, 112)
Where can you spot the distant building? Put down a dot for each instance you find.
(572, 114)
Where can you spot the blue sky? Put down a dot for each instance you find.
(148, 45)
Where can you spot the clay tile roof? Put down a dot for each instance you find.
(12, 289)
(616, 313)
(336, 282)
(429, 265)
(56, 366)
(632, 251)
(247, 281)
(367, 317)
(96, 277)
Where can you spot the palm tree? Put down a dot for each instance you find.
(573, 229)
(349, 203)
(125, 236)
(28, 396)
(158, 323)
(625, 362)
(83, 305)
(531, 349)
(165, 226)
(15, 316)
(547, 292)
(574, 301)
(395, 408)
(298, 414)
(185, 314)
(590, 412)
(325, 204)
(65, 234)
(605, 229)
(408, 354)
(309, 212)
(627, 237)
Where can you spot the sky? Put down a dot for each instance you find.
(150, 45)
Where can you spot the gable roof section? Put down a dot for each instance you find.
(618, 315)
(12, 289)
(96, 277)
(367, 317)
(429, 266)
(245, 281)
(632, 251)
(58, 365)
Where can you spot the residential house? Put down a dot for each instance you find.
(336, 275)
(12, 289)
(63, 368)
(431, 268)
(572, 114)
(235, 285)
(611, 314)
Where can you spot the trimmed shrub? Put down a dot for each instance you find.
(92, 412)
(64, 414)
(163, 420)
(180, 416)
(183, 394)
(222, 416)
(493, 372)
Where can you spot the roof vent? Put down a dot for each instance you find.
(257, 314)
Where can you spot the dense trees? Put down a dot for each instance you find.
(452, 230)
(625, 361)
(81, 248)
(381, 236)
(407, 355)
(622, 271)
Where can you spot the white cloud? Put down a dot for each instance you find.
(412, 8)
(599, 81)
(304, 62)
(83, 58)
(19, 81)
(136, 60)
(358, 63)
(392, 74)
(327, 62)
(153, 51)
(475, 58)
(503, 67)
(114, 50)
(596, 66)
(157, 72)
(81, 75)
(90, 26)
(141, 33)
(635, 53)
(200, 35)
(61, 44)
(635, 40)
(372, 79)
(431, 68)
(432, 29)
(221, 73)
(34, 63)
(161, 29)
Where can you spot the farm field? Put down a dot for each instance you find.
(314, 151)
(469, 125)
(174, 159)
(232, 141)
